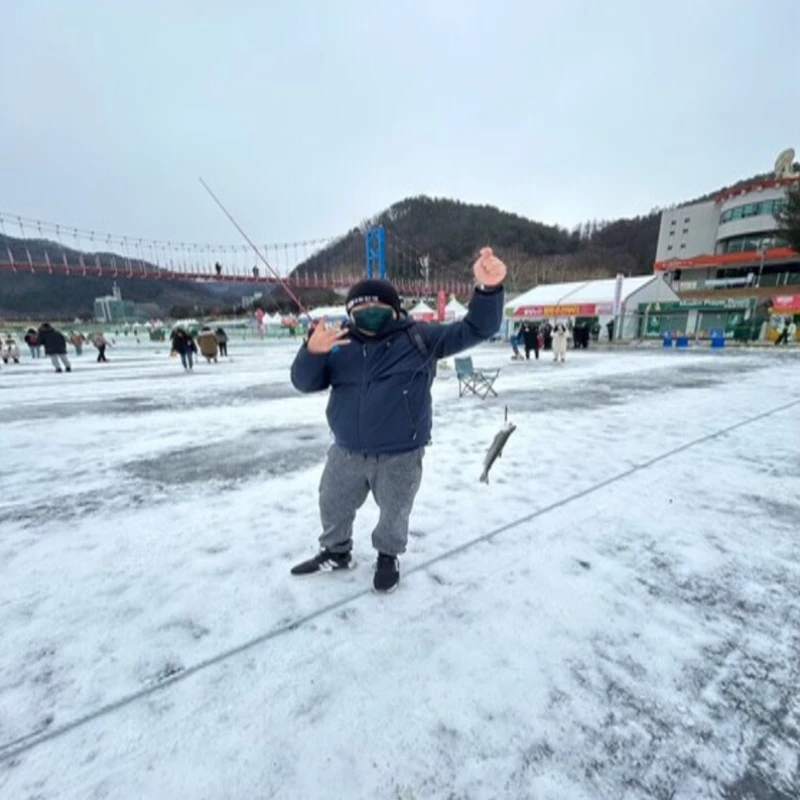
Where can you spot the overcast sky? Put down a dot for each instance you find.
(308, 117)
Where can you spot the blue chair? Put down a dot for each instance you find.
(477, 382)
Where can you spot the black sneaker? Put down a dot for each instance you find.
(324, 561)
(387, 573)
(69, 369)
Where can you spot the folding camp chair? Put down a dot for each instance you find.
(477, 382)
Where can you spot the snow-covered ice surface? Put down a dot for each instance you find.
(636, 633)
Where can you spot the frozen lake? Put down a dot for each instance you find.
(616, 615)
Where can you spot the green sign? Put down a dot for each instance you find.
(653, 325)
(695, 305)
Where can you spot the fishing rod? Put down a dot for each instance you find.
(249, 241)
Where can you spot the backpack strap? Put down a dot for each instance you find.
(419, 342)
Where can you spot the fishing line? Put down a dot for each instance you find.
(249, 241)
(29, 741)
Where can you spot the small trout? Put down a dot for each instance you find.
(496, 449)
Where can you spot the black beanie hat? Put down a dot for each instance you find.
(372, 291)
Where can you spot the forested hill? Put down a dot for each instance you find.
(451, 233)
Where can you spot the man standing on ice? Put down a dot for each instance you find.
(379, 368)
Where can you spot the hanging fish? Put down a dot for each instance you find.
(496, 448)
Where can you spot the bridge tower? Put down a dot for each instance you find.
(376, 252)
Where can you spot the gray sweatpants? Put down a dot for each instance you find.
(64, 361)
(347, 480)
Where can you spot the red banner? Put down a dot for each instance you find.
(578, 310)
(441, 302)
(786, 303)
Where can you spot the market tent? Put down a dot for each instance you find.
(590, 299)
(333, 313)
(422, 312)
(454, 311)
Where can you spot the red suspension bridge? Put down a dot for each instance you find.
(44, 248)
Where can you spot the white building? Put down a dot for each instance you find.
(730, 241)
(592, 300)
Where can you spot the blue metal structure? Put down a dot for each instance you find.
(376, 252)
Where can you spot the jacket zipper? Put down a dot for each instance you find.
(362, 398)
(410, 415)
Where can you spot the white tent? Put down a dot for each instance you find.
(333, 313)
(454, 311)
(422, 312)
(591, 299)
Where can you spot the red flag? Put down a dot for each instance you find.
(441, 302)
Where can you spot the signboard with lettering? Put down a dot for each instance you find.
(577, 310)
(730, 304)
(786, 303)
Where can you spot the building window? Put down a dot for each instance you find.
(686, 230)
(672, 233)
(749, 243)
(669, 247)
(767, 207)
(687, 219)
(674, 222)
(683, 246)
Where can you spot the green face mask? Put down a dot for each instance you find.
(373, 319)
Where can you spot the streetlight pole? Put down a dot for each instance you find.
(762, 252)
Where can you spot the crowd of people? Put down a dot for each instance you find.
(211, 345)
(533, 337)
(49, 342)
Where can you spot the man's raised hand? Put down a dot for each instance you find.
(489, 269)
(323, 338)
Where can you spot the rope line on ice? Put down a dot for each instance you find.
(31, 740)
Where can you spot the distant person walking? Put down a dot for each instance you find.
(559, 342)
(32, 340)
(207, 342)
(222, 341)
(77, 340)
(548, 336)
(184, 346)
(516, 341)
(101, 343)
(55, 346)
(10, 350)
(530, 338)
(783, 338)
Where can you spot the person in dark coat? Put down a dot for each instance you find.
(379, 370)
(55, 346)
(32, 340)
(530, 338)
(184, 346)
(548, 336)
(222, 341)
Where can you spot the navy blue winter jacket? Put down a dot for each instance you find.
(380, 399)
